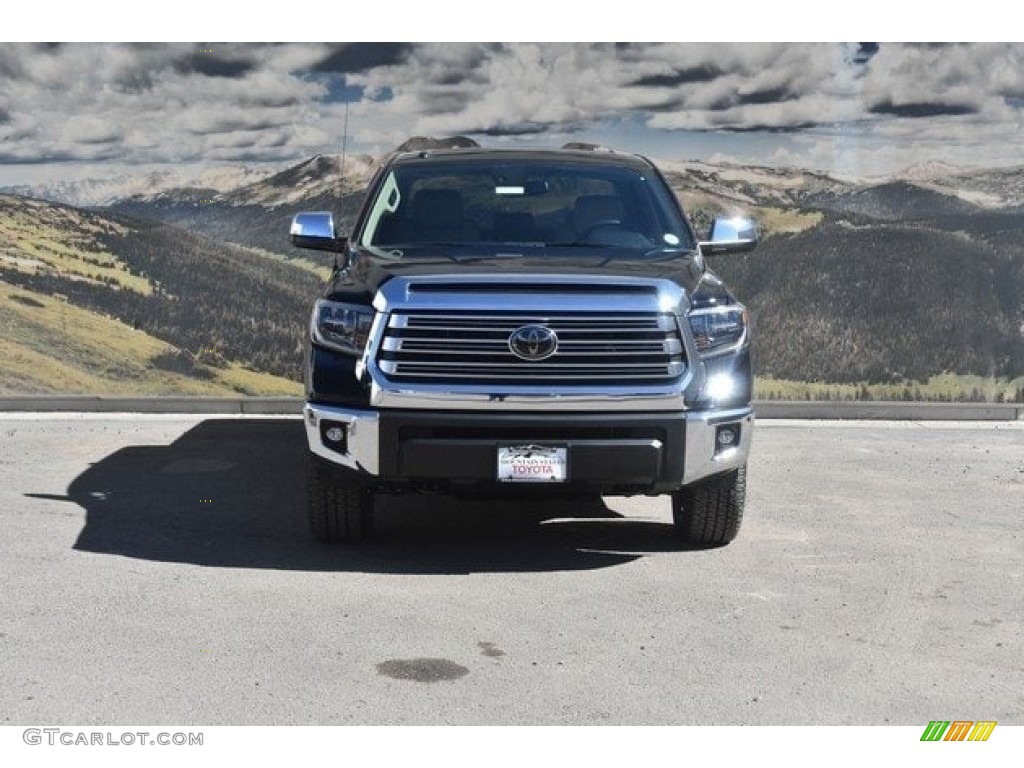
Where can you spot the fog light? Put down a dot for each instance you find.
(334, 435)
(726, 436)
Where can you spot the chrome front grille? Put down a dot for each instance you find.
(473, 347)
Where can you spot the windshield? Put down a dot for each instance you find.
(525, 204)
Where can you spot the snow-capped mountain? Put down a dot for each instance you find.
(104, 191)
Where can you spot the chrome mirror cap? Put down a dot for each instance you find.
(730, 234)
(315, 231)
(319, 224)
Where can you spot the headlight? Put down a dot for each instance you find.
(719, 329)
(344, 327)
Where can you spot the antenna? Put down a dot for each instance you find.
(344, 143)
(344, 151)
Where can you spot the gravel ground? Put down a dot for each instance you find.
(157, 569)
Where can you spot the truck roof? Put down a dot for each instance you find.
(477, 154)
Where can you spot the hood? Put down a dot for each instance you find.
(369, 269)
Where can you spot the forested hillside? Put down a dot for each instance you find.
(259, 214)
(849, 301)
(883, 284)
(216, 304)
(879, 284)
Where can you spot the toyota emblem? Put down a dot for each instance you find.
(533, 342)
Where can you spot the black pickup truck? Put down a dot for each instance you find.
(526, 322)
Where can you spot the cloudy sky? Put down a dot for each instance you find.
(81, 109)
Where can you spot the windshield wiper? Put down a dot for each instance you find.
(428, 244)
(441, 246)
(670, 250)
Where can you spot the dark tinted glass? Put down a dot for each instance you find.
(524, 203)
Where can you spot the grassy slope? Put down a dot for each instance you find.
(53, 341)
(49, 346)
(321, 269)
(945, 387)
(35, 235)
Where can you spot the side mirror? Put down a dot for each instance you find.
(734, 234)
(316, 231)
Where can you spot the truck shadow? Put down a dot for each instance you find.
(230, 493)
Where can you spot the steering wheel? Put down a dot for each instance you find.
(599, 225)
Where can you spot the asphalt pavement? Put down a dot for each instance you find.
(157, 569)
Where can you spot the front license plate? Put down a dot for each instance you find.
(531, 464)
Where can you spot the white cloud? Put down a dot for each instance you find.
(178, 103)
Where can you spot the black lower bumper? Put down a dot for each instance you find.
(605, 453)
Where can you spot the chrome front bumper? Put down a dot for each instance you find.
(702, 459)
(362, 452)
(362, 446)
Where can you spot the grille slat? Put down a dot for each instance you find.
(519, 365)
(501, 322)
(473, 347)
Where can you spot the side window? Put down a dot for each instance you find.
(389, 198)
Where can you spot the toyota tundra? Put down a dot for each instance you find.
(526, 322)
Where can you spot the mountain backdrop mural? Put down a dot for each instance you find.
(130, 268)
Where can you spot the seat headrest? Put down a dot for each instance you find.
(437, 208)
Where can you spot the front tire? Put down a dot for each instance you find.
(340, 508)
(709, 513)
